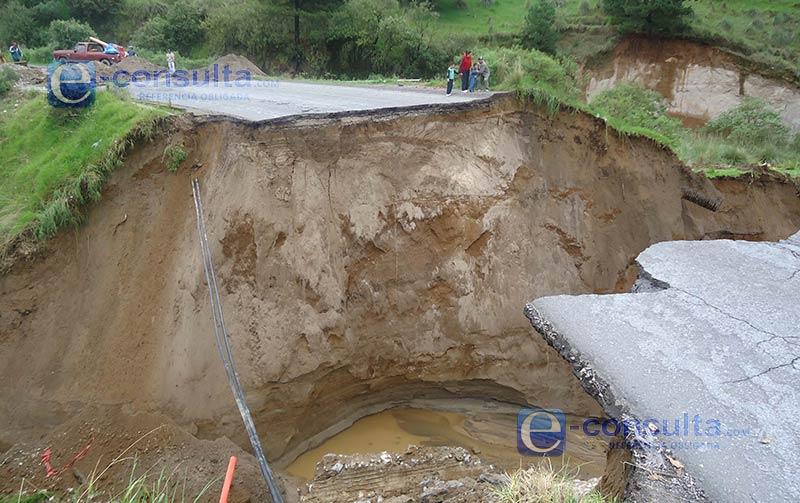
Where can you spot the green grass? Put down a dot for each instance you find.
(502, 16)
(148, 487)
(37, 497)
(765, 31)
(722, 172)
(53, 160)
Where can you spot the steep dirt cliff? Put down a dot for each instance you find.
(364, 260)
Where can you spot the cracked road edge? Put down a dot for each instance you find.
(651, 476)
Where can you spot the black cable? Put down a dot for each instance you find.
(224, 348)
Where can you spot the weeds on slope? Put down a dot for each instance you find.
(751, 134)
(541, 484)
(54, 161)
(165, 486)
(149, 487)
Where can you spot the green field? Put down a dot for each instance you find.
(503, 16)
(51, 160)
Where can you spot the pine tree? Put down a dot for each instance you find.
(540, 31)
(658, 17)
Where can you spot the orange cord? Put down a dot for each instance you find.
(226, 486)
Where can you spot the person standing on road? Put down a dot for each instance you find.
(483, 72)
(473, 77)
(171, 61)
(451, 76)
(464, 69)
(16, 52)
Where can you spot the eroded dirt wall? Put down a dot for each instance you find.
(698, 81)
(362, 261)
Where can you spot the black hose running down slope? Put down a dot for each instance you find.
(221, 336)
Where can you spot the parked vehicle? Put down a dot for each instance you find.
(89, 51)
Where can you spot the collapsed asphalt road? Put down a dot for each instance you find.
(268, 99)
(706, 354)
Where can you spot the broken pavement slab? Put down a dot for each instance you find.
(713, 331)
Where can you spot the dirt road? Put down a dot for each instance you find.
(269, 99)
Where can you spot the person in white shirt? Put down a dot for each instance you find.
(171, 61)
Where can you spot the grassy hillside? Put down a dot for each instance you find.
(52, 160)
(766, 31)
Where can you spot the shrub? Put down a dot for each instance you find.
(769, 153)
(7, 79)
(184, 23)
(174, 155)
(732, 154)
(638, 107)
(539, 31)
(382, 36)
(753, 122)
(664, 17)
(152, 35)
(180, 29)
(522, 70)
(40, 55)
(258, 30)
(65, 33)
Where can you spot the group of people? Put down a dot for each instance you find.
(473, 73)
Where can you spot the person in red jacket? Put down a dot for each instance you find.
(463, 69)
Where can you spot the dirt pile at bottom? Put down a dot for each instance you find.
(363, 261)
(105, 447)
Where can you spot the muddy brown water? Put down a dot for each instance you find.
(699, 82)
(485, 428)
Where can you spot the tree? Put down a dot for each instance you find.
(95, 12)
(658, 17)
(65, 33)
(184, 26)
(181, 28)
(539, 31)
(17, 23)
(309, 9)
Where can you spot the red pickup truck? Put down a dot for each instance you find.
(88, 51)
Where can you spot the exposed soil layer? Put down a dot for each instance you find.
(699, 81)
(27, 75)
(426, 475)
(363, 261)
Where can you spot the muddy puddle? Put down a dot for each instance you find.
(699, 82)
(485, 428)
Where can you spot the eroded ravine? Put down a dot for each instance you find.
(364, 262)
(698, 81)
